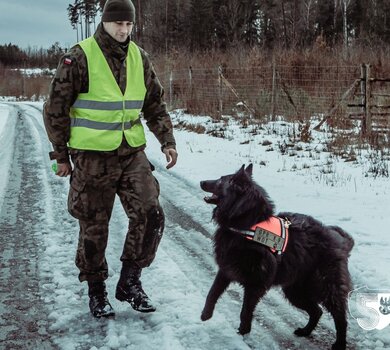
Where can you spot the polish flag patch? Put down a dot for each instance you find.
(67, 61)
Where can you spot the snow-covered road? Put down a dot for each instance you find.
(43, 306)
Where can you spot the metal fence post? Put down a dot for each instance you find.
(190, 102)
(220, 90)
(273, 91)
(190, 77)
(170, 90)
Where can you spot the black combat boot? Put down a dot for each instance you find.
(129, 288)
(98, 302)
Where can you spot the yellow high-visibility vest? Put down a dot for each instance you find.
(100, 117)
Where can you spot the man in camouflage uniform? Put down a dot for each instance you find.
(108, 157)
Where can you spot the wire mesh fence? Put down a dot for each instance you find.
(266, 92)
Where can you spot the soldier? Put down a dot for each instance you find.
(92, 115)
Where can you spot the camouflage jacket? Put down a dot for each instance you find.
(72, 78)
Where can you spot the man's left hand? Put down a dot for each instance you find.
(171, 155)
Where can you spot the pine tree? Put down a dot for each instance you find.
(268, 23)
(82, 13)
(328, 20)
(202, 28)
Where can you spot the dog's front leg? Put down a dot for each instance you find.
(252, 296)
(219, 286)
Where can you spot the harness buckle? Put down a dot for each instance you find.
(286, 223)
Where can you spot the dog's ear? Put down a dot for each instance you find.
(249, 169)
(240, 173)
(241, 178)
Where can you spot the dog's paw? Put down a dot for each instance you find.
(302, 332)
(206, 315)
(339, 345)
(243, 330)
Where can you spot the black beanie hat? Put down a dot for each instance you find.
(118, 10)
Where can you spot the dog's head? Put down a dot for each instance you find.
(227, 185)
(239, 201)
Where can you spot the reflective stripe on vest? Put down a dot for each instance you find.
(100, 117)
(90, 124)
(107, 106)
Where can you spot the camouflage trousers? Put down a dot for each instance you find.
(96, 179)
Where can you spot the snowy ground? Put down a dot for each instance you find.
(55, 312)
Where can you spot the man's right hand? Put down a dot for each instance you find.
(63, 169)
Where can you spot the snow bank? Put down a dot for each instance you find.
(7, 132)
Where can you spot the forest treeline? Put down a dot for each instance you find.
(195, 26)
(13, 56)
(222, 24)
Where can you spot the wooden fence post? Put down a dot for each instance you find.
(363, 91)
(363, 77)
(368, 101)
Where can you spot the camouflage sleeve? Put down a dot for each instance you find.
(155, 109)
(64, 88)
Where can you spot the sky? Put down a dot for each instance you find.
(36, 23)
(307, 180)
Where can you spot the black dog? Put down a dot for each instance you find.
(312, 270)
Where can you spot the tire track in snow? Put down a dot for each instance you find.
(55, 235)
(23, 322)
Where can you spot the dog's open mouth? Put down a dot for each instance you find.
(211, 199)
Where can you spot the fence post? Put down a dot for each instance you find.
(190, 102)
(189, 95)
(368, 101)
(363, 77)
(170, 89)
(273, 91)
(24, 79)
(190, 77)
(220, 90)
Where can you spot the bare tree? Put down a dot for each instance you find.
(345, 4)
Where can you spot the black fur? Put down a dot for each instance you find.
(313, 270)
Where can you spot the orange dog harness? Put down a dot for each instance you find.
(272, 233)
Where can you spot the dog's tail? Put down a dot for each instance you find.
(348, 241)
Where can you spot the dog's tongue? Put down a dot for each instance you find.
(207, 199)
(211, 199)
